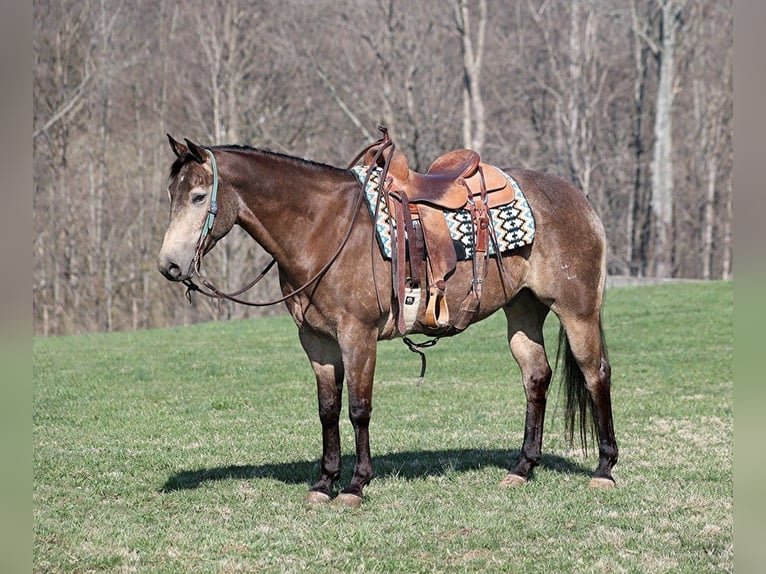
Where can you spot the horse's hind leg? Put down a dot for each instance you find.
(327, 364)
(526, 316)
(586, 365)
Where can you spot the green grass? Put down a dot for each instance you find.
(191, 449)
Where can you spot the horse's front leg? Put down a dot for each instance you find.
(324, 354)
(359, 349)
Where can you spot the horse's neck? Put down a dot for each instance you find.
(298, 212)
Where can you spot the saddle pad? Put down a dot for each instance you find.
(513, 223)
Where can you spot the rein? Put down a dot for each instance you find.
(213, 292)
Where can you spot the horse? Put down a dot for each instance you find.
(309, 217)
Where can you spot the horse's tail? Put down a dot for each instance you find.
(579, 410)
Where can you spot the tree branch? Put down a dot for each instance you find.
(341, 104)
(64, 109)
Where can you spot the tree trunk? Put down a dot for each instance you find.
(573, 94)
(662, 160)
(636, 236)
(727, 272)
(474, 123)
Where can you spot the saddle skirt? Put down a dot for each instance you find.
(513, 222)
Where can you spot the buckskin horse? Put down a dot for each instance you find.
(338, 288)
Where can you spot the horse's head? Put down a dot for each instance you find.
(191, 228)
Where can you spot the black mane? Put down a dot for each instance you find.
(245, 149)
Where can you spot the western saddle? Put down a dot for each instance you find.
(457, 180)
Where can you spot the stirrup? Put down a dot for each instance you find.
(437, 313)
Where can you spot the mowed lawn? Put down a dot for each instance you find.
(190, 450)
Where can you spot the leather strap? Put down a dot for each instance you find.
(400, 263)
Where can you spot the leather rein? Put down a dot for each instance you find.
(214, 293)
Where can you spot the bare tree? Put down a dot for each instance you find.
(662, 159)
(637, 220)
(474, 122)
(573, 72)
(394, 67)
(631, 101)
(711, 92)
(61, 73)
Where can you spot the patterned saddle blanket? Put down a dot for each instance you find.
(513, 223)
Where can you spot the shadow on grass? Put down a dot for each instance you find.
(406, 465)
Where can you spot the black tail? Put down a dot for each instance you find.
(579, 403)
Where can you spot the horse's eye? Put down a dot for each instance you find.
(198, 198)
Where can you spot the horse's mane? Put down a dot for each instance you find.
(247, 150)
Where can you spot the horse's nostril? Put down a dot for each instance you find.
(173, 270)
(170, 269)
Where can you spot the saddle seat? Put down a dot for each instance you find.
(441, 184)
(448, 180)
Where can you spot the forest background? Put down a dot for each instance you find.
(632, 100)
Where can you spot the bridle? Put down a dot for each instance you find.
(213, 292)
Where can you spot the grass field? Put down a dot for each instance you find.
(190, 450)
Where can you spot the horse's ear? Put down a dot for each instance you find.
(178, 148)
(196, 151)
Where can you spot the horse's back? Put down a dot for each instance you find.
(553, 199)
(567, 260)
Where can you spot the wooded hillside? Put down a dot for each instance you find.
(629, 99)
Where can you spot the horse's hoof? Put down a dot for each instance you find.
(599, 482)
(348, 500)
(512, 480)
(315, 498)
